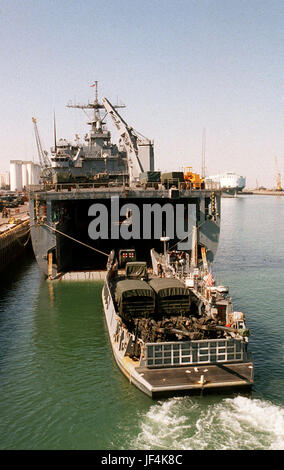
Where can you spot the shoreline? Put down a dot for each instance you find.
(268, 192)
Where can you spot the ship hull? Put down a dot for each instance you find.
(80, 228)
(229, 192)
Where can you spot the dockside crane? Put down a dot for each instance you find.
(278, 177)
(44, 160)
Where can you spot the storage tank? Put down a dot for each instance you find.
(16, 175)
(5, 179)
(24, 174)
(30, 171)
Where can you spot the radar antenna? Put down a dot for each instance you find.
(96, 106)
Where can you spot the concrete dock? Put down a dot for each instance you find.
(14, 234)
(21, 212)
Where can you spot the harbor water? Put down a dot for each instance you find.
(61, 389)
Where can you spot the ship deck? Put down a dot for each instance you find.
(187, 380)
(62, 191)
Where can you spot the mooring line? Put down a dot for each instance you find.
(180, 241)
(75, 240)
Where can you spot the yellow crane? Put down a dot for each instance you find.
(278, 177)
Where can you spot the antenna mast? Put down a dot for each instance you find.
(96, 106)
(95, 85)
(203, 153)
(54, 131)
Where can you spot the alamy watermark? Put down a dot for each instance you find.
(142, 222)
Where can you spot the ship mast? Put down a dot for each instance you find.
(97, 134)
(97, 116)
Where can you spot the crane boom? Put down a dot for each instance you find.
(129, 139)
(278, 177)
(44, 160)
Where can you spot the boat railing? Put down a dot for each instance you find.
(182, 353)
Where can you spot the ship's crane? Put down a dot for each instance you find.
(278, 177)
(130, 140)
(44, 160)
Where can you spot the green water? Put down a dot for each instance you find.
(60, 387)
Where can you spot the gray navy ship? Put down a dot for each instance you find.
(97, 196)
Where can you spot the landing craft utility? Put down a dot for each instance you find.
(170, 330)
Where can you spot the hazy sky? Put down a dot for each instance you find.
(179, 65)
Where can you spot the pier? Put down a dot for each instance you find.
(262, 192)
(14, 234)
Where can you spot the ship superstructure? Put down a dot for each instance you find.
(104, 195)
(97, 157)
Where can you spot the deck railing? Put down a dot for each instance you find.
(195, 352)
(92, 185)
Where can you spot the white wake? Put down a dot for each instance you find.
(232, 424)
